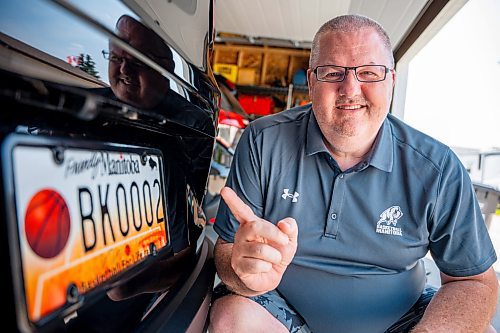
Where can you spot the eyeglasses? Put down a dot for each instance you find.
(119, 60)
(365, 73)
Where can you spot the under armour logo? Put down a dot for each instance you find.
(286, 194)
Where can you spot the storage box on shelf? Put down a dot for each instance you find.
(257, 105)
(229, 71)
(247, 76)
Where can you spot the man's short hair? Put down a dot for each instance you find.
(349, 23)
(158, 47)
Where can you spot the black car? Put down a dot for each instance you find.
(108, 124)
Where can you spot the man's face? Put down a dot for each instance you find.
(132, 81)
(351, 110)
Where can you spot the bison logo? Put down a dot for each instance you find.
(390, 216)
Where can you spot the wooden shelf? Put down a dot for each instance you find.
(262, 65)
(265, 90)
(264, 71)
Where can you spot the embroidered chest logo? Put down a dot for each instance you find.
(388, 221)
(286, 194)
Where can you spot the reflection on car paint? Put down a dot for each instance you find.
(91, 76)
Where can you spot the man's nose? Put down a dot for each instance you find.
(350, 86)
(126, 66)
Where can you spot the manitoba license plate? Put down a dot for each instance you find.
(83, 216)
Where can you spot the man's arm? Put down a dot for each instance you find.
(462, 304)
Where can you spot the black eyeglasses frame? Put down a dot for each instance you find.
(354, 69)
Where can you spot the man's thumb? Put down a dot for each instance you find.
(289, 226)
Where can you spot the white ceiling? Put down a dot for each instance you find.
(298, 20)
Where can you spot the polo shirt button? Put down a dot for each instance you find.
(334, 216)
(341, 176)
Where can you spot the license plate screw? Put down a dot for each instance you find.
(72, 293)
(144, 158)
(58, 153)
(152, 249)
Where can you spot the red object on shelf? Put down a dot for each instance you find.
(258, 105)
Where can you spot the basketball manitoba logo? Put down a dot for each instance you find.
(47, 223)
(388, 221)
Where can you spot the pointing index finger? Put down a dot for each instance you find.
(239, 209)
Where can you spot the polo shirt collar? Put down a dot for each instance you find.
(381, 156)
(314, 140)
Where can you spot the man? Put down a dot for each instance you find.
(131, 80)
(366, 198)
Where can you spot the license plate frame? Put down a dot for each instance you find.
(92, 173)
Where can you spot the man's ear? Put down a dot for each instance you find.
(393, 73)
(310, 81)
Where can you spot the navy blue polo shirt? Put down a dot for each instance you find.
(364, 231)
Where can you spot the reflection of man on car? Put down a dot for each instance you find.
(131, 80)
(137, 84)
(141, 86)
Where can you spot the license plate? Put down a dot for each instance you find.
(83, 216)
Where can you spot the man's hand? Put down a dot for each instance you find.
(261, 251)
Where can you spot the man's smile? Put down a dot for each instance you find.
(127, 81)
(350, 106)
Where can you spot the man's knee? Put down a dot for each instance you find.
(222, 314)
(234, 313)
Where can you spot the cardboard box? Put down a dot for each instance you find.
(247, 76)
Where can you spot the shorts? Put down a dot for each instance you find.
(276, 305)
